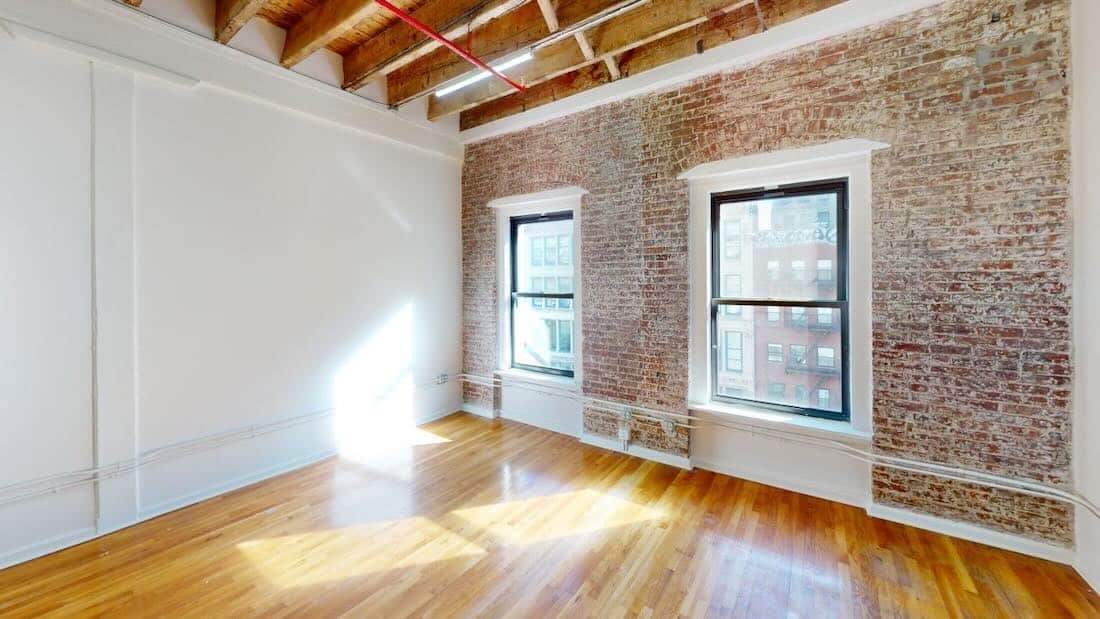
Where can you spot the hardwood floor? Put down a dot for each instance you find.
(501, 519)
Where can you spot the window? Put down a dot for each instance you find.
(537, 251)
(565, 249)
(735, 351)
(542, 293)
(798, 316)
(798, 354)
(733, 285)
(773, 270)
(775, 353)
(565, 284)
(550, 285)
(813, 220)
(798, 270)
(732, 233)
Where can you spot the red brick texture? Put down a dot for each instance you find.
(971, 235)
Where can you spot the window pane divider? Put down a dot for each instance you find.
(542, 295)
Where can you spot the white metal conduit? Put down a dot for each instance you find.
(668, 419)
(56, 483)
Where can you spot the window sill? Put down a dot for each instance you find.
(785, 422)
(562, 383)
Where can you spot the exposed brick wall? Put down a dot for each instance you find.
(971, 236)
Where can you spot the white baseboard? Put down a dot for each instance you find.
(852, 497)
(47, 546)
(974, 533)
(210, 492)
(479, 410)
(636, 450)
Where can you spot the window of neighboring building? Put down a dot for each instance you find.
(800, 395)
(732, 233)
(775, 353)
(542, 293)
(798, 316)
(798, 270)
(734, 351)
(733, 285)
(813, 223)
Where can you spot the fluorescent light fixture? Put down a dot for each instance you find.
(508, 64)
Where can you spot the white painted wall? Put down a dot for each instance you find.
(251, 264)
(1086, 199)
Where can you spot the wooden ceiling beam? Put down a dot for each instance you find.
(323, 25)
(231, 15)
(399, 45)
(501, 37)
(653, 21)
(694, 40)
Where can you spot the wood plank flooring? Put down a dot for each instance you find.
(494, 519)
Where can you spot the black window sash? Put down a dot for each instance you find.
(516, 222)
(839, 187)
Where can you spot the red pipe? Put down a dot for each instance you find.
(426, 29)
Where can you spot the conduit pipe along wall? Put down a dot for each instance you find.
(668, 419)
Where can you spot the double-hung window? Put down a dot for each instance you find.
(542, 293)
(813, 232)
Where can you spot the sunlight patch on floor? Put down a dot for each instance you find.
(325, 556)
(538, 519)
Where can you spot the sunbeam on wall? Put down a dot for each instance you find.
(375, 395)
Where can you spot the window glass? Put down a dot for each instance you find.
(782, 245)
(551, 250)
(542, 327)
(734, 353)
(565, 249)
(806, 234)
(775, 353)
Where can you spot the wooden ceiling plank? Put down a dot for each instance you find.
(323, 25)
(399, 45)
(702, 36)
(231, 15)
(499, 38)
(651, 22)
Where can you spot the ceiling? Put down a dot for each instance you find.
(558, 48)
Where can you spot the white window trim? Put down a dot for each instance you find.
(849, 159)
(551, 201)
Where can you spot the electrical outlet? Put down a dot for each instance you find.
(442, 379)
